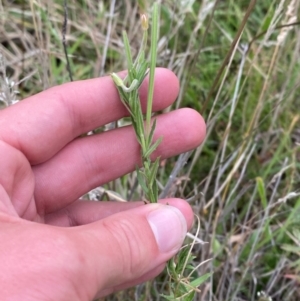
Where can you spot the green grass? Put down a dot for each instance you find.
(239, 179)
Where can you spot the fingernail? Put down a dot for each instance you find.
(169, 227)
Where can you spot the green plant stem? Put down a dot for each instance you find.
(153, 54)
(128, 90)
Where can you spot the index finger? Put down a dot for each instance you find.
(43, 124)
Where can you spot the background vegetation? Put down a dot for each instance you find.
(240, 67)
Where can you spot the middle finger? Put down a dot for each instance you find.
(92, 161)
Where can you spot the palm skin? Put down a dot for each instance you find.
(55, 246)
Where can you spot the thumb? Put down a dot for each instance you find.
(126, 246)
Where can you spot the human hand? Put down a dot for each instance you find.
(46, 168)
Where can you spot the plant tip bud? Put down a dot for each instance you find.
(144, 21)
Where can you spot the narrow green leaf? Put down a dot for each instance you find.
(155, 191)
(140, 60)
(291, 248)
(150, 137)
(141, 55)
(141, 180)
(127, 52)
(182, 260)
(142, 72)
(124, 99)
(151, 195)
(171, 266)
(153, 55)
(170, 297)
(261, 191)
(189, 297)
(189, 267)
(217, 246)
(140, 131)
(132, 73)
(141, 65)
(135, 127)
(153, 171)
(195, 283)
(181, 289)
(153, 147)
